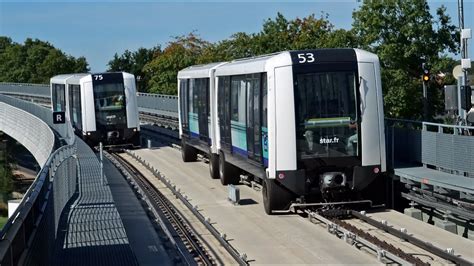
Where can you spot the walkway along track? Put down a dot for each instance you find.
(172, 217)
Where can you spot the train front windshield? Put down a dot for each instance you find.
(326, 114)
(110, 105)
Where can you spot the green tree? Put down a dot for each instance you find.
(134, 62)
(180, 53)
(402, 34)
(35, 61)
(280, 34)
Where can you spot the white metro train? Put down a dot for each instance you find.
(308, 124)
(102, 107)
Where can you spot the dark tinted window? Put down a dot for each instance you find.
(183, 90)
(109, 101)
(326, 114)
(59, 97)
(75, 105)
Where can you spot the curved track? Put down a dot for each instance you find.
(174, 222)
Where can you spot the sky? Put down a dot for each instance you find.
(99, 29)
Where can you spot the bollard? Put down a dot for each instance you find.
(234, 194)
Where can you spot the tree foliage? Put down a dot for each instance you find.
(276, 35)
(404, 35)
(35, 61)
(180, 53)
(134, 62)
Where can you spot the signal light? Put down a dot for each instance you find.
(426, 72)
(426, 75)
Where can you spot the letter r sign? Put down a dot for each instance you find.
(59, 118)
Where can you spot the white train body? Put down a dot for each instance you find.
(305, 122)
(102, 107)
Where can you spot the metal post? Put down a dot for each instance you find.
(425, 102)
(461, 112)
(101, 152)
(464, 55)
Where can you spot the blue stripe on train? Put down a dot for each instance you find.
(194, 135)
(245, 154)
(239, 151)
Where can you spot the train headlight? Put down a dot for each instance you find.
(135, 129)
(88, 133)
(376, 170)
(281, 176)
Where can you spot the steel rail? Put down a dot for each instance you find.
(170, 213)
(351, 236)
(415, 241)
(240, 258)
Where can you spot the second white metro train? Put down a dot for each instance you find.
(308, 124)
(102, 107)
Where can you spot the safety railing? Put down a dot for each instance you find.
(25, 89)
(29, 235)
(439, 146)
(156, 104)
(160, 104)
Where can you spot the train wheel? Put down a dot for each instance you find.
(188, 153)
(228, 173)
(275, 197)
(214, 165)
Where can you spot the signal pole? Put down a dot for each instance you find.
(425, 78)
(465, 60)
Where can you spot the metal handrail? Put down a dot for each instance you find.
(23, 84)
(445, 126)
(29, 196)
(157, 95)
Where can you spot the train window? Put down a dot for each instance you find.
(191, 96)
(201, 107)
(256, 117)
(223, 105)
(75, 112)
(183, 90)
(253, 117)
(250, 117)
(110, 105)
(326, 114)
(264, 101)
(220, 107)
(59, 97)
(238, 101)
(234, 99)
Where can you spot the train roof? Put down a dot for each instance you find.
(198, 71)
(70, 78)
(259, 64)
(254, 64)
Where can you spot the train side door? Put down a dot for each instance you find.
(203, 108)
(254, 142)
(223, 98)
